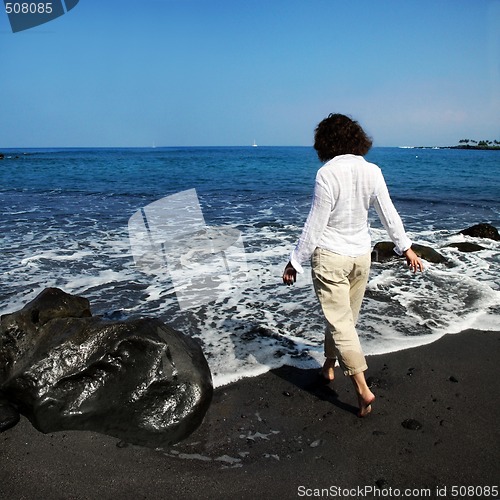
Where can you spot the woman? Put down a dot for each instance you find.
(337, 240)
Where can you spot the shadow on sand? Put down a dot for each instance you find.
(312, 382)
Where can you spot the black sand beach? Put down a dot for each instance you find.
(284, 435)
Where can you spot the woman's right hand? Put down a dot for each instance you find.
(289, 274)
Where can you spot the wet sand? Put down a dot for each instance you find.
(287, 435)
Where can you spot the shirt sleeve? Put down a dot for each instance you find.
(315, 225)
(390, 218)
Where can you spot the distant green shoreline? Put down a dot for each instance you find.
(485, 144)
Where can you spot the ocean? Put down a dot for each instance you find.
(92, 222)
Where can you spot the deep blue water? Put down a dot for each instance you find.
(65, 215)
(418, 179)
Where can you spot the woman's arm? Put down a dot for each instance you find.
(394, 226)
(315, 225)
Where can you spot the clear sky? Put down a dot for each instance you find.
(226, 72)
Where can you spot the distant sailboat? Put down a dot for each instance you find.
(254, 145)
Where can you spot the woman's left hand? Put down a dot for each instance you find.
(289, 274)
(413, 261)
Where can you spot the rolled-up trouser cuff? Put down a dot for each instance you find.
(356, 371)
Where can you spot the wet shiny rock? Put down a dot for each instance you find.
(138, 380)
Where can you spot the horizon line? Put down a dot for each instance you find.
(199, 146)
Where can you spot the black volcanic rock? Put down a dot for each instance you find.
(466, 246)
(138, 380)
(384, 251)
(9, 416)
(482, 231)
(411, 424)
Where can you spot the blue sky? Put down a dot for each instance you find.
(226, 72)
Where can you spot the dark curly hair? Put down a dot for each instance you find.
(340, 135)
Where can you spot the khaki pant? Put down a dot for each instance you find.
(340, 283)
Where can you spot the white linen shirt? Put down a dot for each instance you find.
(346, 187)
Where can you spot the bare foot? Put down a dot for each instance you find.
(365, 403)
(365, 396)
(327, 370)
